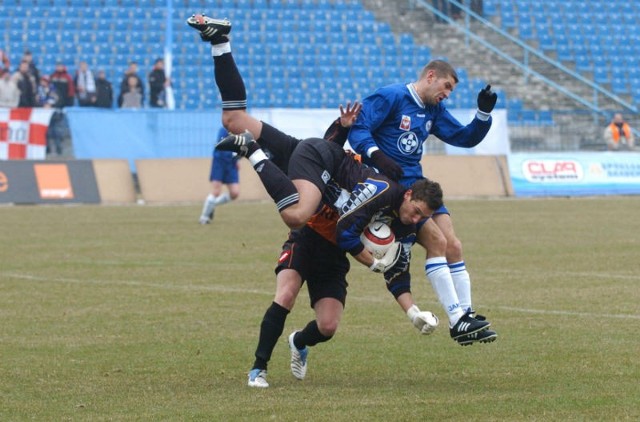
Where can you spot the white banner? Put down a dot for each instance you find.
(310, 123)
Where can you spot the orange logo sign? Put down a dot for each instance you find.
(53, 181)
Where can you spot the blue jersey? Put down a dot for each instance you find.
(395, 120)
(224, 166)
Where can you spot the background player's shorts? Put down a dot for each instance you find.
(224, 169)
(321, 264)
(315, 160)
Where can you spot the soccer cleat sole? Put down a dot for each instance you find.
(210, 29)
(486, 336)
(483, 328)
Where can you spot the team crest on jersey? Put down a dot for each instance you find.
(428, 126)
(405, 124)
(408, 143)
(325, 177)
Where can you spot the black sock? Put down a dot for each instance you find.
(278, 185)
(230, 83)
(310, 336)
(270, 331)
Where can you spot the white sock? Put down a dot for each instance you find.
(438, 274)
(222, 199)
(257, 157)
(220, 49)
(462, 283)
(209, 205)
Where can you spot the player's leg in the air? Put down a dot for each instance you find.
(296, 199)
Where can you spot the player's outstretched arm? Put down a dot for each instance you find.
(339, 128)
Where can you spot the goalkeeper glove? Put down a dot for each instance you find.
(424, 321)
(487, 100)
(400, 267)
(386, 165)
(383, 264)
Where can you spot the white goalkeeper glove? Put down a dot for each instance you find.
(388, 260)
(424, 321)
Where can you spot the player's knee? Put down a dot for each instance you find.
(293, 220)
(286, 298)
(434, 242)
(232, 120)
(454, 249)
(328, 327)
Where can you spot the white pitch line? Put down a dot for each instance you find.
(566, 274)
(226, 289)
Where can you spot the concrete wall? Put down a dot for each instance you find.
(115, 183)
(469, 175)
(187, 180)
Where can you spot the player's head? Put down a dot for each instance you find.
(437, 79)
(420, 201)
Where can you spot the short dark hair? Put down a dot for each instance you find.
(441, 68)
(429, 192)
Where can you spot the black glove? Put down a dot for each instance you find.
(487, 99)
(386, 165)
(400, 267)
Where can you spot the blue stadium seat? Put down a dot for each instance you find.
(600, 74)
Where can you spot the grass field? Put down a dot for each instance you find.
(139, 314)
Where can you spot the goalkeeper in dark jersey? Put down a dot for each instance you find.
(371, 194)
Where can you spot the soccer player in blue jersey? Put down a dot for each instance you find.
(224, 171)
(389, 133)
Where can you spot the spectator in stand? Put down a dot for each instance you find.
(125, 85)
(26, 84)
(33, 69)
(618, 134)
(46, 95)
(85, 85)
(104, 91)
(132, 98)
(64, 86)
(5, 63)
(157, 84)
(59, 126)
(9, 92)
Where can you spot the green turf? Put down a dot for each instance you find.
(139, 313)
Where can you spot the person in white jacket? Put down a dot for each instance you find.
(9, 92)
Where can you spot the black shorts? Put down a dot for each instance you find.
(319, 262)
(277, 145)
(316, 160)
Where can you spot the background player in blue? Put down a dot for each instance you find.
(389, 133)
(224, 171)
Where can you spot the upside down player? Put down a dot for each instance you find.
(409, 208)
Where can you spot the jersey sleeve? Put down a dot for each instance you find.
(452, 132)
(336, 133)
(375, 109)
(371, 197)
